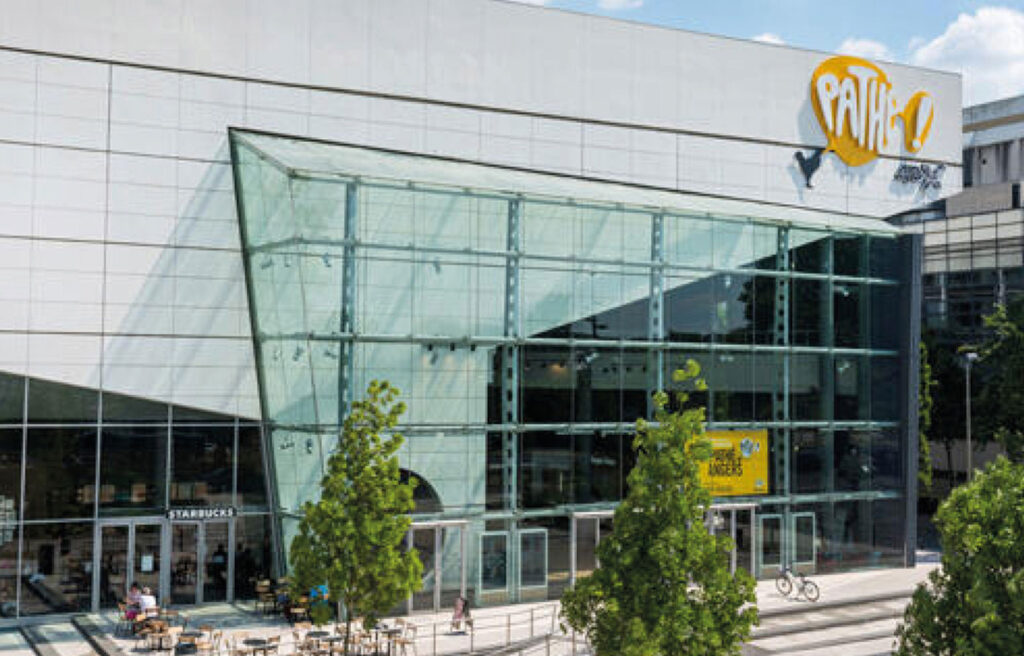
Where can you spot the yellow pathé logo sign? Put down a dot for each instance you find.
(857, 109)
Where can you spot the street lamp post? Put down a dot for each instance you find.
(969, 359)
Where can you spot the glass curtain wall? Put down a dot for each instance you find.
(77, 466)
(527, 333)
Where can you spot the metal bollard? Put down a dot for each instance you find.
(547, 645)
(531, 622)
(435, 639)
(508, 630)
(574, 642)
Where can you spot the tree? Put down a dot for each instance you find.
(974, 604)
(351, 538)
(1001, 393)
(664, 585)
(924, 423)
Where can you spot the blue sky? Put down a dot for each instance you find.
(982, 40)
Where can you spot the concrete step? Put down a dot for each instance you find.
(861, 638)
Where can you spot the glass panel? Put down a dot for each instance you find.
(809, 251)
(113, 565)
(886, 330)
(202, 469)
(809, 312)
(133, 470)
(812, 461)
(57, 403)
(252, 484)
(184, 415)
(586, 546)
(771, 543)
(852, 320)
(851, 388)
(884, 258)
(809, 376)
(598, 470)
(10, 473)
(848, 535)
(688, 241)
(184, 575)
(493, 566)
(731, 382)
(423, 542)
(886, 379)
(733, 244)
(118, 408)
(451, 565)
(495, 489)
(147, 557)
(253, 556)
(743, 540)
(545, 469)
(853, 460)
(887, 459)
(689, 307)
(597, 392)
(9, 535)
(850, 255)
(546, 381)
(60, 473)
(533, 558)
(804, 538)
(215, 567)
(888, 532)
(56, 568)
(12, 398)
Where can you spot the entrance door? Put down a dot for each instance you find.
(129, 553)
(736, 521)
(805, 550)
(769, 545)
(184, 563)
(114, 559)
(587, 531)
(442, 550)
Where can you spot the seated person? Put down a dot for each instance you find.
(147, 602)
(133, 601)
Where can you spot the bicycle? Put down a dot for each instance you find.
(785, 583)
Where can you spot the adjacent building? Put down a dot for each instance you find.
(219, 222)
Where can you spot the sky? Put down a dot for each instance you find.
(983, 41)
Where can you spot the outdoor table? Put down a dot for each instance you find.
(388, 631)
(318, 635)
(186, 648)
(256, 644)
(192, 633)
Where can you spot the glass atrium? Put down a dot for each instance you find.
(527, 319)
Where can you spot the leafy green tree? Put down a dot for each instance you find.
(1000, 407)
(351, 539)
(974, 604)
(664, 585)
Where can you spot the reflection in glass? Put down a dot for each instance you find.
(533, 558)
(253, 557)
(252, 484)
(147, 556)
(50, 403)
(811, 464)
(113, 565)
(9, 535)
(118, 408)
(133, 469)
(853, 460)
(423, 541)
(545, 469)
(56, 564)
(493, 562)
(184, 557)
(202, 467)
(215, 567)
(12, 397)
(60, 472)
(554, 550)
(598, 472)
(10, 473)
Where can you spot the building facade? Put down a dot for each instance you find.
(219, 222)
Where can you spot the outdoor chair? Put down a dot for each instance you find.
(124, 625)
(210, 645)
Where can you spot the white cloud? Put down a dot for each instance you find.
(618, 5)
(865, 48)
(769, 37)
(987, 47)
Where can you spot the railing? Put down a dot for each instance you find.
(532, 631)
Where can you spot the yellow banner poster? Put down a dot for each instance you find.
(738, 465)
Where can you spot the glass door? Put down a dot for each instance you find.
(586, 532)
(114, 577)
(805, 549)
(424, 541)
(184, 563)
(770, 543)
(146, 557)
(215, 561)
